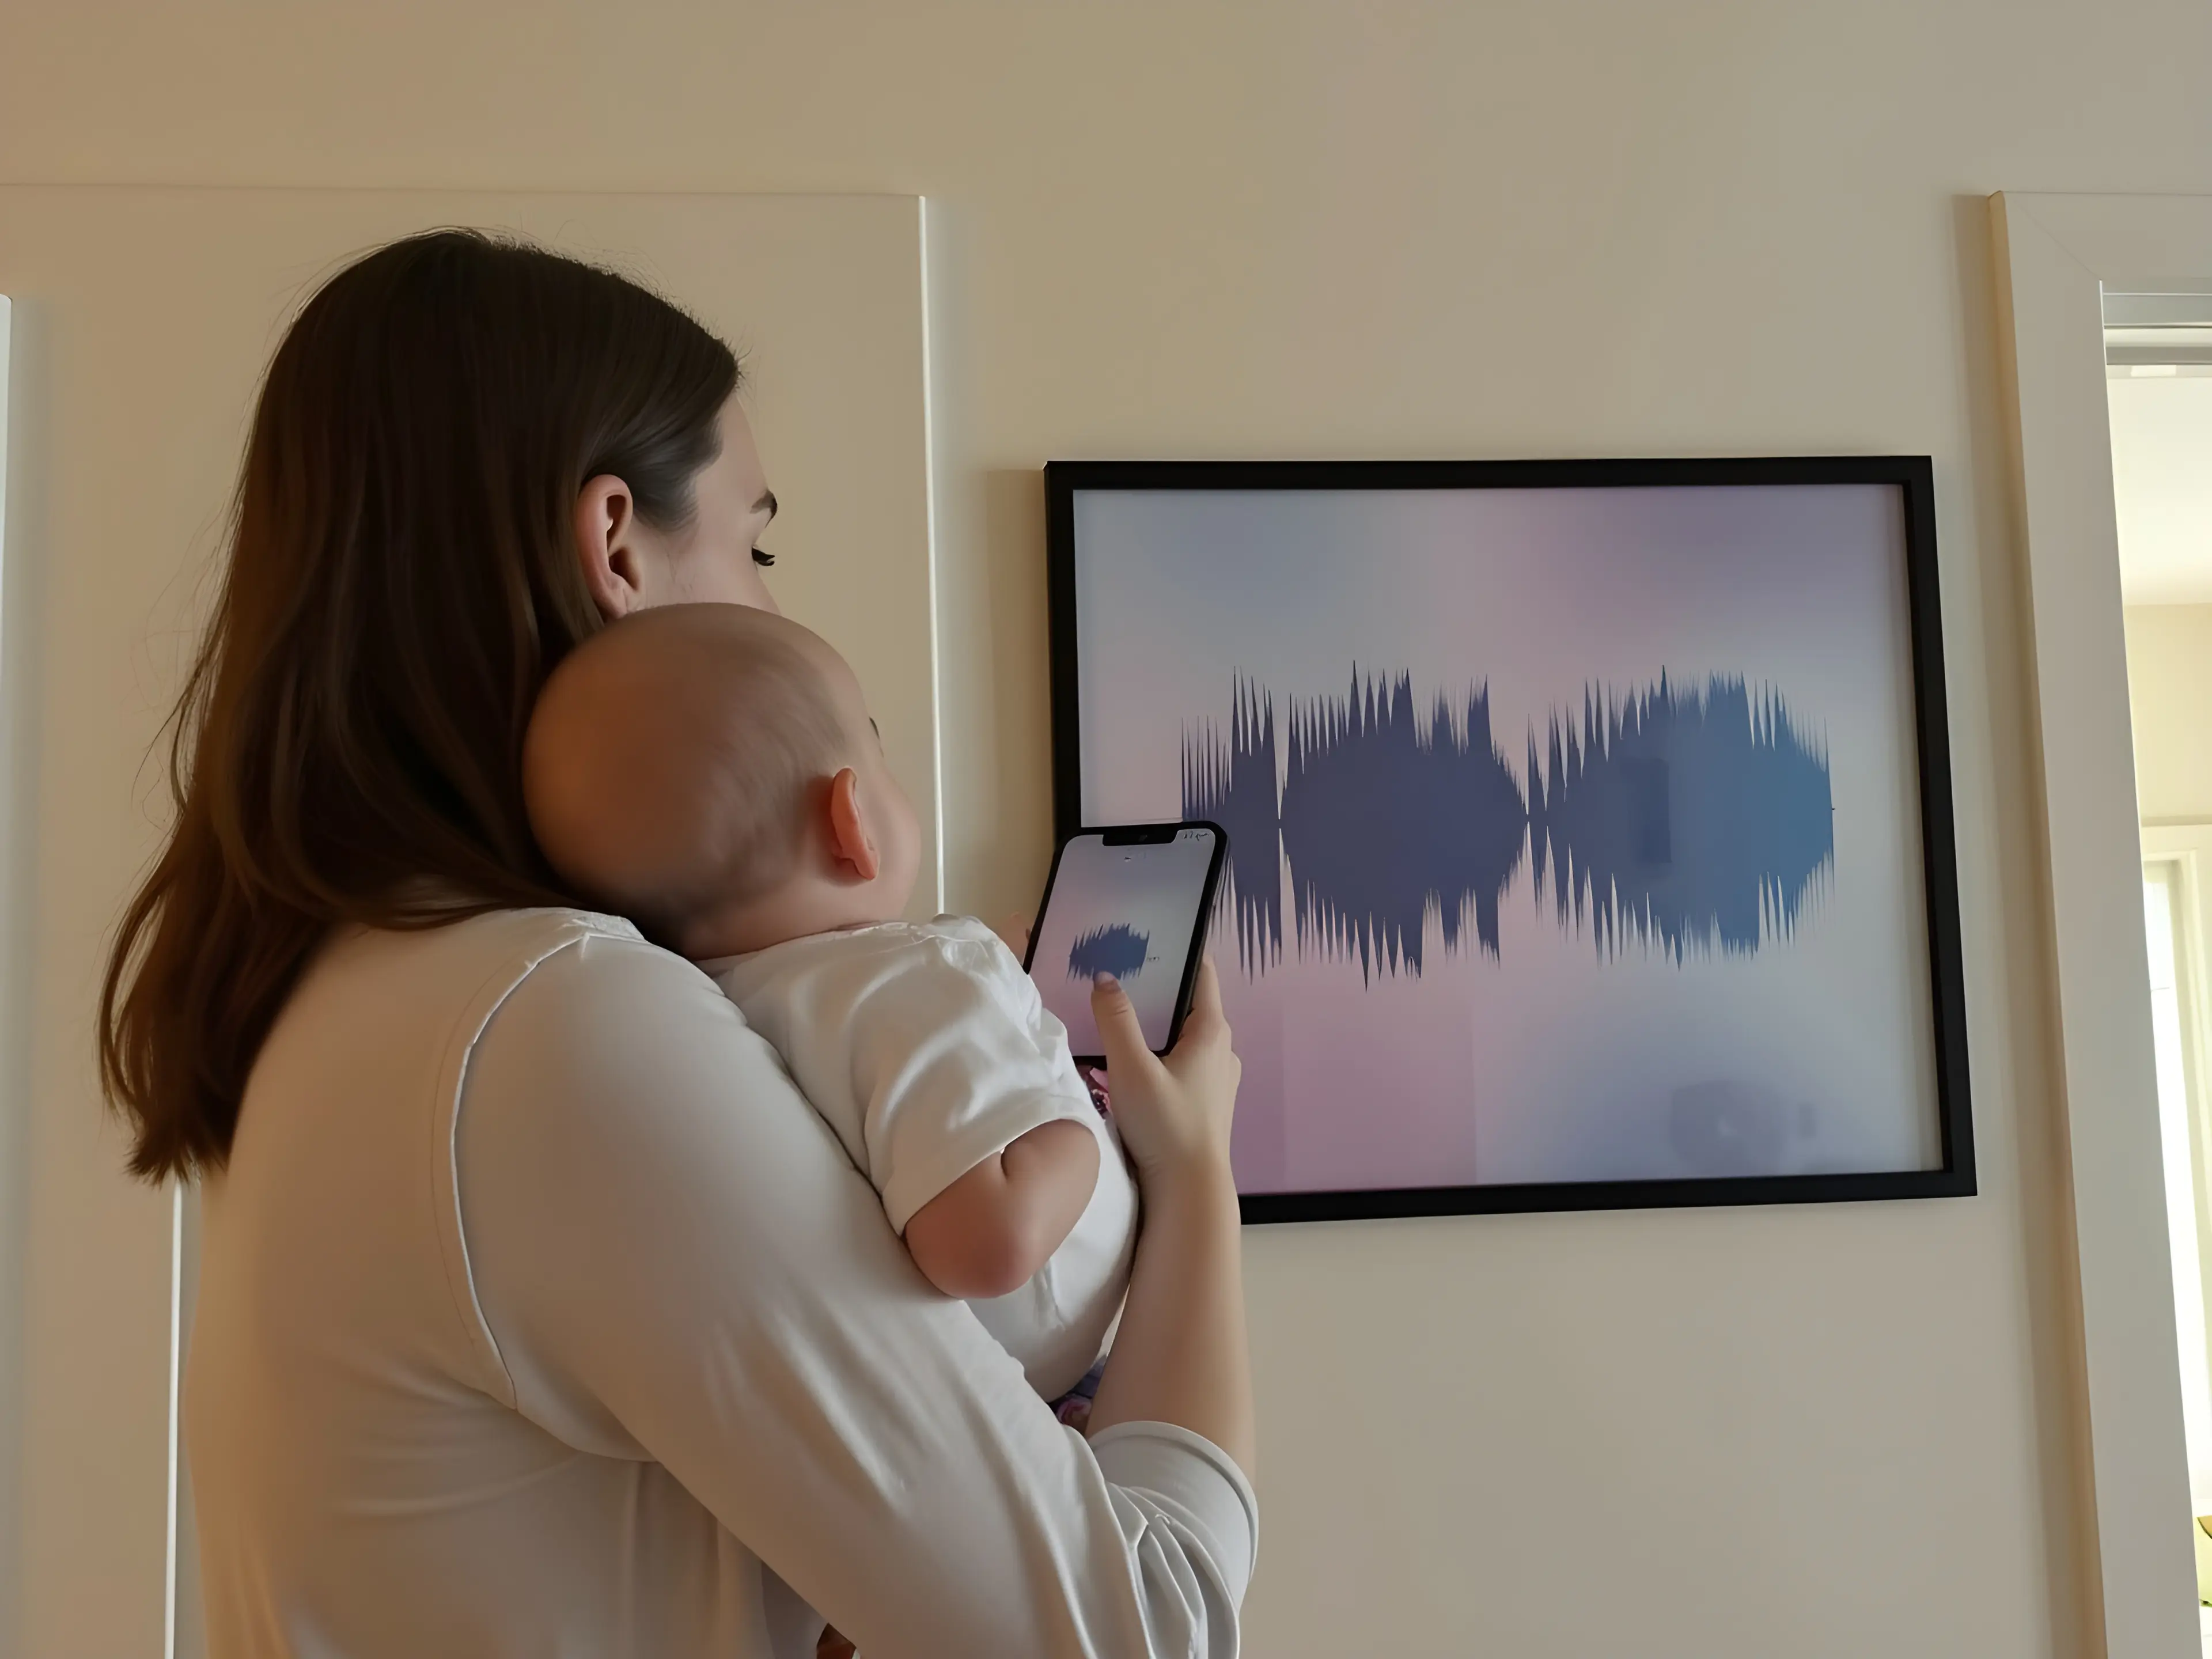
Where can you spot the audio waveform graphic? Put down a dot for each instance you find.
(1116, 948)
(1689, 820)
(1385, 814)
(1230, 782)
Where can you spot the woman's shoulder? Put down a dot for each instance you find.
(573, 979)
(493, 944)
(530, 933)
(597, 1024)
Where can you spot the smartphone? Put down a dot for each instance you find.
(1132, 901)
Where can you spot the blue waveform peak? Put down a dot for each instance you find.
(1117, 948)
(1386, 814)
(1231, 781)
(1691, 818)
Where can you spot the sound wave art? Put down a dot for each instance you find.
(1688, 819)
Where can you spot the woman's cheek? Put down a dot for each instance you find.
(726, 579)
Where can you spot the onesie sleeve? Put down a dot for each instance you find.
(951, 1059)
(678, 1263)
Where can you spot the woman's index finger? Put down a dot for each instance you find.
(1205, 994)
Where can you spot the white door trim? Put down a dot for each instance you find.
(2055, 255)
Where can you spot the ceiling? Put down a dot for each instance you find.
(2162, 474)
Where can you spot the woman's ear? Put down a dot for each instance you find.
(607, 547)
(850, 843)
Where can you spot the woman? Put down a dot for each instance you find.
(538, 1313)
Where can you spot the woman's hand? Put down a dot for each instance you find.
(1181, 1356)
(1174, 1114)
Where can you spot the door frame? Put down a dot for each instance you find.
(2056, 255)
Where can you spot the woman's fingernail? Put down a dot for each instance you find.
(1107, 983)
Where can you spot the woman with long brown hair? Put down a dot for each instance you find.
(538, 1313)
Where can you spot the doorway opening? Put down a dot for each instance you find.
(2159, 387)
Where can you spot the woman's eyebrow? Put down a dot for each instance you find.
(768, 501)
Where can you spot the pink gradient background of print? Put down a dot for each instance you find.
(1546, 1062)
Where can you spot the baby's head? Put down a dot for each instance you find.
(711, 771)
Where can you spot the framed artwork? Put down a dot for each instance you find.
(1589, 821)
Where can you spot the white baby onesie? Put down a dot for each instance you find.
(927, 1048)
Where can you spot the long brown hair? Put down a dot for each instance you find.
(402, 576)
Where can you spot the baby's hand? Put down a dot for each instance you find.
(1094, 1078)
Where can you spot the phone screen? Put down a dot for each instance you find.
(1132, 903)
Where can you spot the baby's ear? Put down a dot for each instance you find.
(850, 843)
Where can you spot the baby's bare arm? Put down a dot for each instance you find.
(989, 1231)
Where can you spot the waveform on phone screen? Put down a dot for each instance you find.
(1116, 948)
(1688, 820)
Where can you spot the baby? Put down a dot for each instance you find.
(711, 771)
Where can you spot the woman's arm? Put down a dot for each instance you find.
(680, 1265)
(1181, 1356)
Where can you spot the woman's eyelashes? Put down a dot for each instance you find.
(763, 557)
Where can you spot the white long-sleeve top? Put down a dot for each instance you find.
(539, 1315)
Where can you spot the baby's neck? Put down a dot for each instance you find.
(802, 906)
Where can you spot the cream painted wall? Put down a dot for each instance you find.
(2170, 701)
(1246, 227)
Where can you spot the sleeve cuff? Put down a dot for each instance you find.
(1196, 1482)
(912, 1187)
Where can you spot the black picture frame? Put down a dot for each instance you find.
(1912, 475)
